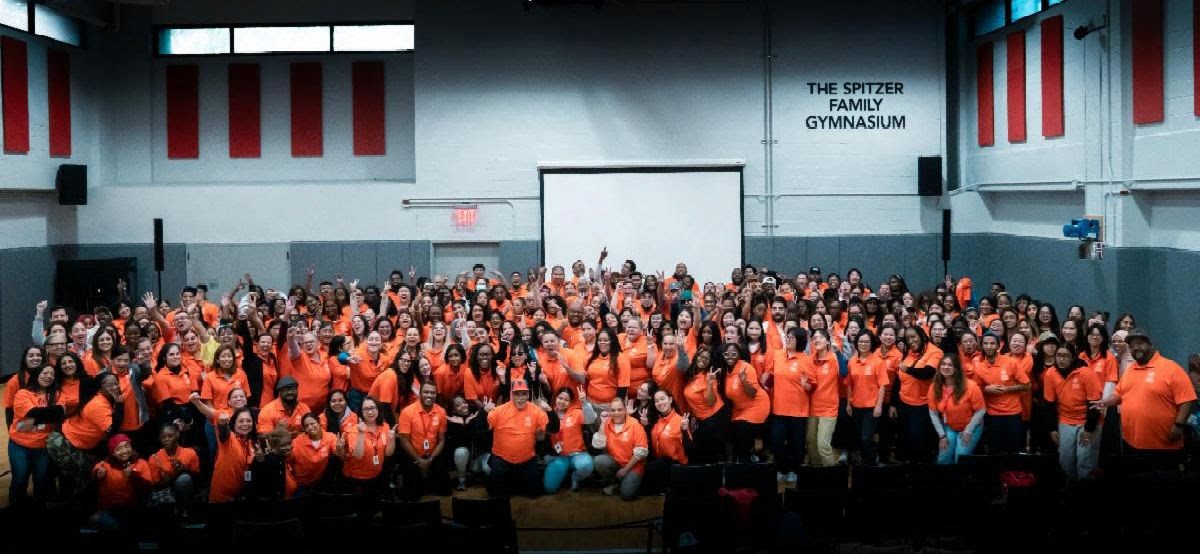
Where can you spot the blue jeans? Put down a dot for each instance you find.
(27, 462)
(956, 448)
(788, 439)
(557, 468)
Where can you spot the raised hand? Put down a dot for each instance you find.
(41, 306)
(149, 302)
(310, 271)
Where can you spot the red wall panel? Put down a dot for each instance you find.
(1052, 77)
(14, 87)
(307, 129)
(58, 92)
(370, 116)
(183, 112)
(1015, 60)
(1148, 97)
(245, 111)
(984, 95)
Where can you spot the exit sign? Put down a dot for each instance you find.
(464, 217)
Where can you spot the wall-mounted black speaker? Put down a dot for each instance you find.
(945, 235)
(929, 175)
(71, 184)
(160, 261)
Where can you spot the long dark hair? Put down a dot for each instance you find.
(762, 337)
(473, 361)
(161, 361)
(404, 379)
(454, 346)
(614, 351)
(1104, 339)
(333, 421)
(959, 380)
(27, 373)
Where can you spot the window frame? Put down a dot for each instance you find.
(31, 24)
(157, 31)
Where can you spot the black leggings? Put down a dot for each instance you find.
(744, 433)
(708, 438)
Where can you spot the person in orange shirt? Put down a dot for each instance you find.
(236, 444)
(670, 440)
(450, 377)
(517, 426)
(34, 415)
(956, 410)
(751, 403)
(84, 432)
(337, 416)
(482, 381)
(625, 447)
(174, 468)
(366, 363)
(668, 362)
(366, 450)
(866, 383)
(1002, 384)
(570, 452)
(309, 368)
(791, 382)
(823, 399)
(421, 438)
(123, 481)
(607, 370)
(1156, 397)
(633, 346)
(911, 399)
(1070, 387)
(286, 410)
(312, 451)
(710, 413)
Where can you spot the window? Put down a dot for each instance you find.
(193, 41)
(1053, 2)
(373, 38)
(252, 40)
(15, 14)
(1023, 8)
(261, 40)
(988, 17)
(51, 24)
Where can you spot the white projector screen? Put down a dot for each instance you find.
(655, 215)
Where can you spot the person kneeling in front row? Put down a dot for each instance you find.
(625, 446)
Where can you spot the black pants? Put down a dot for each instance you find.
(918, 433)
(1043, 420)
(864, 421)
(789, 441)
(507, 478)
(845, 434)
(887, 427)
(657, 475)
(1005, 434)
(744, 433)
(437, 481)
(708, 438)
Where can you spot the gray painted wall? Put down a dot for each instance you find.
(1140, 280)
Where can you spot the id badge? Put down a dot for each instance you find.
(558, 447)
(425, 445)
(247, 476)
(375, 459)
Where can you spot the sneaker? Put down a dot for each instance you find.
(780, 476)
(842, 458)
(610, 490)
(462, 486)
(791, 477)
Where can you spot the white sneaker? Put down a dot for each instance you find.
(791, 477)
(610, 490)
(842, 458)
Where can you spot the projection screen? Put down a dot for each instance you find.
(655, 214)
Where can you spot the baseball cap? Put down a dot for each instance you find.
(1137, 332)
(519, 385)
(814, 269)
(285, 382)
(768, 280)
(685, 295)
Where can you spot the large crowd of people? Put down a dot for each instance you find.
(572, 377)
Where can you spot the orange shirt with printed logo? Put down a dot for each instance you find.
(514, 431)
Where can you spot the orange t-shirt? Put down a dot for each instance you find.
(601, 384)
(558, 375)
(314, 378)
(695, 394)
(514, 432)
(486, 386)
(217, 386)
(10, 390)
(1104, 368)
(788, 396)
(620, 444)
(308, 461)
(865, 378)
(449, 381)
(349, 420)
(913, 391)
(386, 389)
(763, 359)
(117, 490)
(1150, 397)
(231, 469)
(162, 468)
(273, 413)
(667, 438)
(363, 374)
(635, 352)
(1002, 372)
(177, 387)
(425, 428)
(774, 333)
(823, 399)
(26, 400)
(370, 464)
(87, 429)
(667, 376)
(1024, 365)
(958, 413)
(1072, 394)
(569, 438)
(745, 408)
